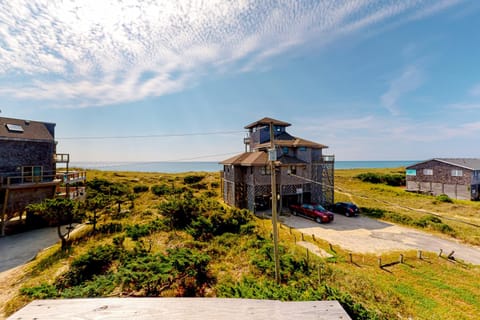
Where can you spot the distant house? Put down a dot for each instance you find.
(28, 172)
(457, 178)
(304, 174)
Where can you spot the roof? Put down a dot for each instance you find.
(180, 308)
(467, 163)
(267, 121)
(295, 143)
(257, 158)
(17, 129)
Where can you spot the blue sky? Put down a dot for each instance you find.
(178, 80)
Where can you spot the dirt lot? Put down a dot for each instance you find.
(365, 235)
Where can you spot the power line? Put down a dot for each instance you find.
(165, 135)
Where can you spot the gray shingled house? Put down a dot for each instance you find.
(28, 171)
(457, 178)
(304, 173)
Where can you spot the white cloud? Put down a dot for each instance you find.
(410, 79)
(89, 52)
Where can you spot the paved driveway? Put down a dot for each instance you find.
(365, 235)
(19, 248)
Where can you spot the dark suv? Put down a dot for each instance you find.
(347, 208)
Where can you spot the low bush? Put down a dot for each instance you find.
(191, 179)
(373, 212)
(95, 262)
(395, 180)
(444, 198)
(140, 188)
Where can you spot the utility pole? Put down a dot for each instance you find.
(273, 157)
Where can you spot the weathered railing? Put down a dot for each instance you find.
(20, 180)
(72, 176)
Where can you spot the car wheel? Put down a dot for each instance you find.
(318, 220)
(347, 214)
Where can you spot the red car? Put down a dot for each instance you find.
(313, 211)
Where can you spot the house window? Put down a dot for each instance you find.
(285, 150)
(32, 173)
(265, 170)
(293, 169)
(303, 149)
(14, 128)
(411, 172)
(428, 172)
(457, 173)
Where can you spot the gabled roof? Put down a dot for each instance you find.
(17, 129)
(267, 121)
(467, 163)
(295, 143)
(257, 158)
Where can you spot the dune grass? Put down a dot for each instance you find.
(241, 265)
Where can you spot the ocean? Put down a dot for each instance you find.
(184, 166)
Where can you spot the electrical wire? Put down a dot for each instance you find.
(166, 135)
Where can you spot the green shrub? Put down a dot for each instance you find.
(137, 231)
(191, 179)
(43, 291)
(214, 185)
(444, 198)
(181, 270)
(395, 180)
(199, 186)
(95, 262)
(109, 228)
(140, 188)
(373, 212)
(160, 190)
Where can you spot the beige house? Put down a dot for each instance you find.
(304, 173)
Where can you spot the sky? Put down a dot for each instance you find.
(179, 80)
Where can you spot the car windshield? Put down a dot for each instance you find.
(319, 208)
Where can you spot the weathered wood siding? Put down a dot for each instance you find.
(14, 154)
(441, 181)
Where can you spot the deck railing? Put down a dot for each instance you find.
(23, 180)
(72, 176)
(60, 177)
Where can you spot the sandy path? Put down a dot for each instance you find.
(365, 235)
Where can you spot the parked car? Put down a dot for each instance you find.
(313, 211)
(347, 208)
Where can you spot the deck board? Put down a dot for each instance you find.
(179, 308)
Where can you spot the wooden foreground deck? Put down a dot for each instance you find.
(179, 308)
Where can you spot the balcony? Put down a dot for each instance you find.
(61, 158)
(71, 177)
(28, 181)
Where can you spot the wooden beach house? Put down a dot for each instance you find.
(457, 178)
(28, 172)
(304, 173)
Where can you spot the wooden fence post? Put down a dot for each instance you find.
(313, 237)
(419, 254)
(380, 262)
(401, 258)
(351, 257)
(440, 254)
(303, 239)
